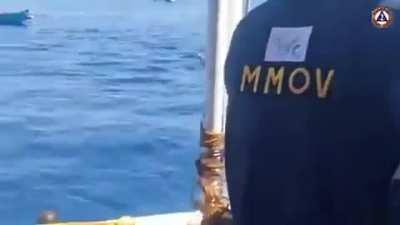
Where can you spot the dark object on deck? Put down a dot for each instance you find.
(17, 18)
(313, 124)
(48, 217)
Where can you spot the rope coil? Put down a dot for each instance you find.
(211, 140)
(211, 170)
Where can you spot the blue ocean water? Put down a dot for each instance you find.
(100, 112)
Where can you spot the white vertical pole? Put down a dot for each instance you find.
(224, 15)
(246, 6)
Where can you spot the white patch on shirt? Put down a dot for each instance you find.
(288, 44)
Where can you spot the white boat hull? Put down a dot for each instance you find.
(182, 218)
(185, 218)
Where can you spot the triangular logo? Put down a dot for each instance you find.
(382, 17)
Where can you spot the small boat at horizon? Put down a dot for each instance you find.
(15, 18)
(169, 1)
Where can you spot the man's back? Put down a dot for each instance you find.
(311, 128)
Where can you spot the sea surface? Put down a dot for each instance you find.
(100, 112)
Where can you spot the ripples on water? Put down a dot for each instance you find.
(98, 121)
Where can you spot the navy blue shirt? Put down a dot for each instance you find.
(313, 116)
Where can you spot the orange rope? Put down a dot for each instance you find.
(211, 169)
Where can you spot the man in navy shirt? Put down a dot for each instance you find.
(314, 114)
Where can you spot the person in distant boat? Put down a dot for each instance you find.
(313, 123)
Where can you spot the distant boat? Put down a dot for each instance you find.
(17, 18)
(170, 1)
